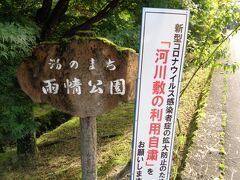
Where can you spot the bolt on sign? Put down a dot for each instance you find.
(163, 42)
(83, 77)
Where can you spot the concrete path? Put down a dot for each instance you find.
(232, 135)
(203, 159)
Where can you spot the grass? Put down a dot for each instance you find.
(59, 149)
(10, 152)
(222, 166)
(222, 152)
(41, 110)
(114, 137)
(60, 132)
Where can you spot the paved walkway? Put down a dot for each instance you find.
(203, 159)
(232, 140)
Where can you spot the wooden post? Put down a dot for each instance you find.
(88, 146)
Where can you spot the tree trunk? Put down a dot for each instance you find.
(99, 16)
(1, 148)
(27, 148)
(88, 134)
(54, 18)
(44, 12)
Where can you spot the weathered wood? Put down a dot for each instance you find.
(88, 137)
(33, 73)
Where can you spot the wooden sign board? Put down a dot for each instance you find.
(82, 77)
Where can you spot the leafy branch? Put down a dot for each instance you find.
(207, 61)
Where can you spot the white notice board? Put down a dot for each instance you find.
(163, 42)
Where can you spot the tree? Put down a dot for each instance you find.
(16, 119)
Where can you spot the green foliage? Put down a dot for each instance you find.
(229, 67)
(15, 42)
(18, 10)
(209, 19)
(166, 4)
(121, 29)
(123, 26)
(16, 118)
(208, 22)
